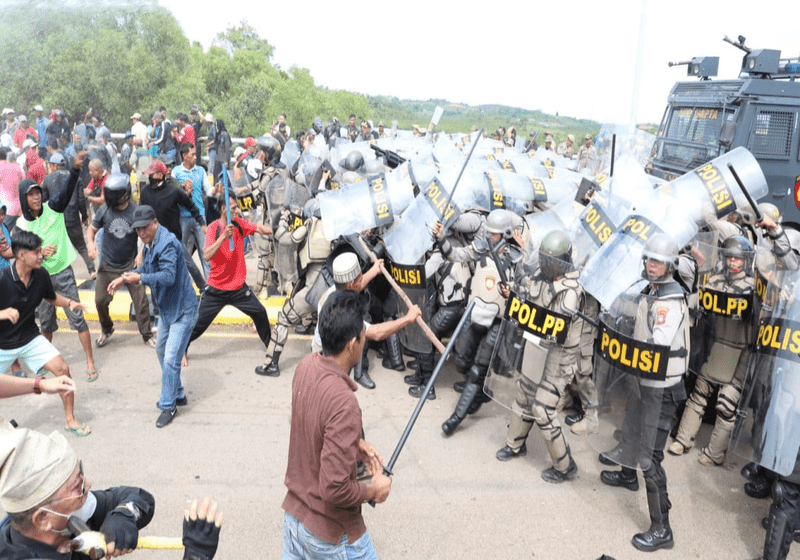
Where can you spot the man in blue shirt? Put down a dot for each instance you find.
(195, 182)
(42, 122)
(164, 270)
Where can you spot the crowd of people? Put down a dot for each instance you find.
(153, 205)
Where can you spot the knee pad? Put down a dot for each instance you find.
(476, 374)
(727, 401)
(544, 404)
(486, 346)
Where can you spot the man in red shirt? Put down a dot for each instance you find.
(226, 278)
(23, 132)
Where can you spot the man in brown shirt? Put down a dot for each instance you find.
(323, 502)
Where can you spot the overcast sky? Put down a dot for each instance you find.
(576, 58)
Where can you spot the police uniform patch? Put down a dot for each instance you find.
(490, 283)
(661, 315)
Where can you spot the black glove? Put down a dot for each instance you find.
(200, 538)
(120, 528)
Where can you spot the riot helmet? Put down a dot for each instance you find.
(501, 221)
(317, 126)
(311, 209)
(309, 170)
(272, 149)
(353, 161)
(373, 167)
(769, 209)
(117, 189)
(555, 255)
(661, 248)
(350, 177)
(737, 246)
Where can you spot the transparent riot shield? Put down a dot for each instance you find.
(627, 372)
(411, 237)
(596, 224)
(767, 431)
(412, 280)
(528, 347)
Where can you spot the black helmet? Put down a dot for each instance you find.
(353, 161)
(555, 255)
(317, 125)
(737, 246)
(660, 247)
(116, 188)
(271, 148)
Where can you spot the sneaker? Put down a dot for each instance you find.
(166, 417)
(677, 448)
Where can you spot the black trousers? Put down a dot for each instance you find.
(213, 300)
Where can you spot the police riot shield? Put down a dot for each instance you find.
(358, 207)
(714, 190)
(285, 248)
(618, 262)
(528, 347)
(593, 228)
(767, 431)
(411, 237)
(412, 280)
(627, 371)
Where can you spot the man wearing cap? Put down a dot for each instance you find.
(47, 221)
(59, 129)
(586, 153)
(23, 287)
(227, 278)
(167, 198)
(23, 131)
(34, 166)
(549, 144)
(347, 276)
(125, 153)
(567, 148)
(139, 129)
(42, 122)
(324, 497)
(531, 145)
(164, 271)
(10, 124)
(42, 484)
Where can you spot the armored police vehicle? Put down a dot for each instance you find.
(759, 110)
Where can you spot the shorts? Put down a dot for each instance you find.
(64, 284)
(33, 356)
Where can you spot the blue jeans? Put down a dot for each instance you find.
(192, 236)
(300, 543)
(98, 240)
(173, 338)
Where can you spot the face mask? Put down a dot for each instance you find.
(84, 513)
(155, 183)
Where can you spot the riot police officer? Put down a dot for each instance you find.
(728, 357)
(661, 319)
(474, 348)
(554, 286)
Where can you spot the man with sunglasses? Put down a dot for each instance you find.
(43, 484)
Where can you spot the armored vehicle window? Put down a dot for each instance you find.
(691, 137)
(772, 133)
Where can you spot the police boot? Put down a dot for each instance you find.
(394, 354)
(517, 433)
(555, 476)
(589, 424)
(271, 369)
(660, 534)
(418, 390)
(779, 535)
(577, 416)
(625, 478)
(421, 366)
(361, 372)
(470, 390)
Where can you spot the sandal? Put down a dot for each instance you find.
(102, 340)
(81, 431)
(92, 376)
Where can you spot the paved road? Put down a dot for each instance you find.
(450, 499)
